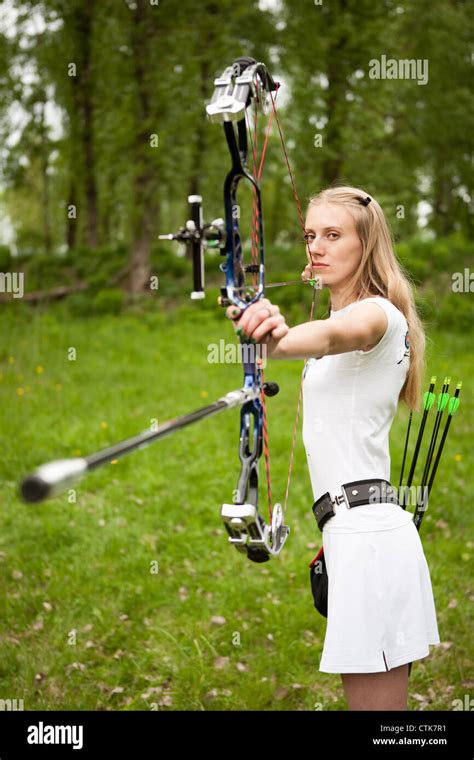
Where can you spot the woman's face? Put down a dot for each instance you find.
(333, 244)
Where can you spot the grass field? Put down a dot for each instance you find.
(129, 597)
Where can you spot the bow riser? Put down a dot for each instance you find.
(234, 269)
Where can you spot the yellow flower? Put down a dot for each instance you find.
(39, 369)
(20, 391)
(104, 425)
(11, 360)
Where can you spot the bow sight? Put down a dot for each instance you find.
(197, 237)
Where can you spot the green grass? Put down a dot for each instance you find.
(85, 624)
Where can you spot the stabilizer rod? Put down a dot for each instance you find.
(54, 477)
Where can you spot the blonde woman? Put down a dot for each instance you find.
(365, 357)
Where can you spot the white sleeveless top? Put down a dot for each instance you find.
(349, 402)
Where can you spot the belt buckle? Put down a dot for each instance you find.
(342, 499)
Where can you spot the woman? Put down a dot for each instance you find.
(381, 613)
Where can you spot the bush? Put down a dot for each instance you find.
(167, 264)
(79, 305)
(425, 259)
(456, 311)
(44, 271)
(105, 260)
(108, 301)
(105, 301)
(97, 282)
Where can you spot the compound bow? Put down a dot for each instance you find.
(247, 82)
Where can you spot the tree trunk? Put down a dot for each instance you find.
(332, 165)
(82, 23)
(145, 179)
(48, 243)
(71, 224)
(201, 130)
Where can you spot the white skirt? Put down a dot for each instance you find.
(381, 612)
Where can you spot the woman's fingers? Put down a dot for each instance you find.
(274, 327)
(248, 319)
(259, 321)
(233, 312)
(256, 314)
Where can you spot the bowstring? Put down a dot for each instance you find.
(313, 302)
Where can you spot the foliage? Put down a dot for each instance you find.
(101, 183)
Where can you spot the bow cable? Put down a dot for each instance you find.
(255, 244)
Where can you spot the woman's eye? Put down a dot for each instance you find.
(310, 238)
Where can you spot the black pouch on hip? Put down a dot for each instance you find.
(319, 583)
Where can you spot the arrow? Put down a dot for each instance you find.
(405, 451)
(313, 282)
(428, 400)
(54, 477)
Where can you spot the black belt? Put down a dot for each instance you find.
(354, 494)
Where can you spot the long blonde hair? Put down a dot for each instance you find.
(381, 274)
